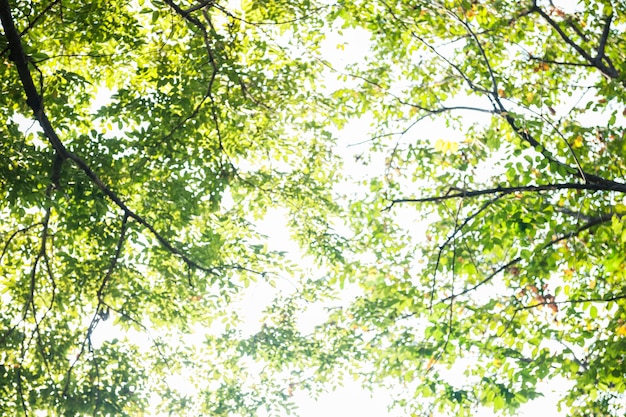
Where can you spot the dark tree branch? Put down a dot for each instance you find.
(199, 6)
(576, 214)
(575, 171)
(450, 315)
(313, 12)
(33, 98)
(434, 50)
(592, 223)
(582, 363)
(482, 282)
(468, 81)
(114, 260)
(139, 219)
(511, 190)
(562, 33)
(194, 21)
(523, 133)
(32, 23)
(34, 101)
(428, 112)
(604, 38)
(86, 343)
(573, 24)
(498, 105)
(30, 302)
(492, 76)
(185, 14)
(553, 62)
(457, 229)
(575, 301)
(14, 234)
(609, 71)
(499, 108)
(20, 391)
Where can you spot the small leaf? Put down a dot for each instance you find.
(578, 142)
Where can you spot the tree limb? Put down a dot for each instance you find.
(512, 190)
(575, 301)
(35, 102)
(603, 38)
(609, 71)
(591, 223)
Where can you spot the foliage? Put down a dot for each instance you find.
(141, 142)
(144, 142)
(501, 125)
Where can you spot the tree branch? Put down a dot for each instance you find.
(554, 62)
(603, 38)
(34, 101)
(511, 190)
(114, 259)
(576, 301)
(33, 98)
(592, 223)
(199, 6)
(32, 23)
(499, 108)
(452, 235)
(609, 71)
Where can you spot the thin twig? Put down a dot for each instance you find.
(592, 223)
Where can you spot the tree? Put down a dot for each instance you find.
(141, 141)
(519, 277)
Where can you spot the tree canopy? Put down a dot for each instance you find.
(467, 247)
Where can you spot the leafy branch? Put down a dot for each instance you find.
(596, 221)
(607, 69)
(609, 299)
(458, 228)
(35, 102)
(511, 190)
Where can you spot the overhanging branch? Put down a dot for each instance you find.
(608, 70)
(511, 190)
(33, 98)
(596, 221)
(35, 102)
